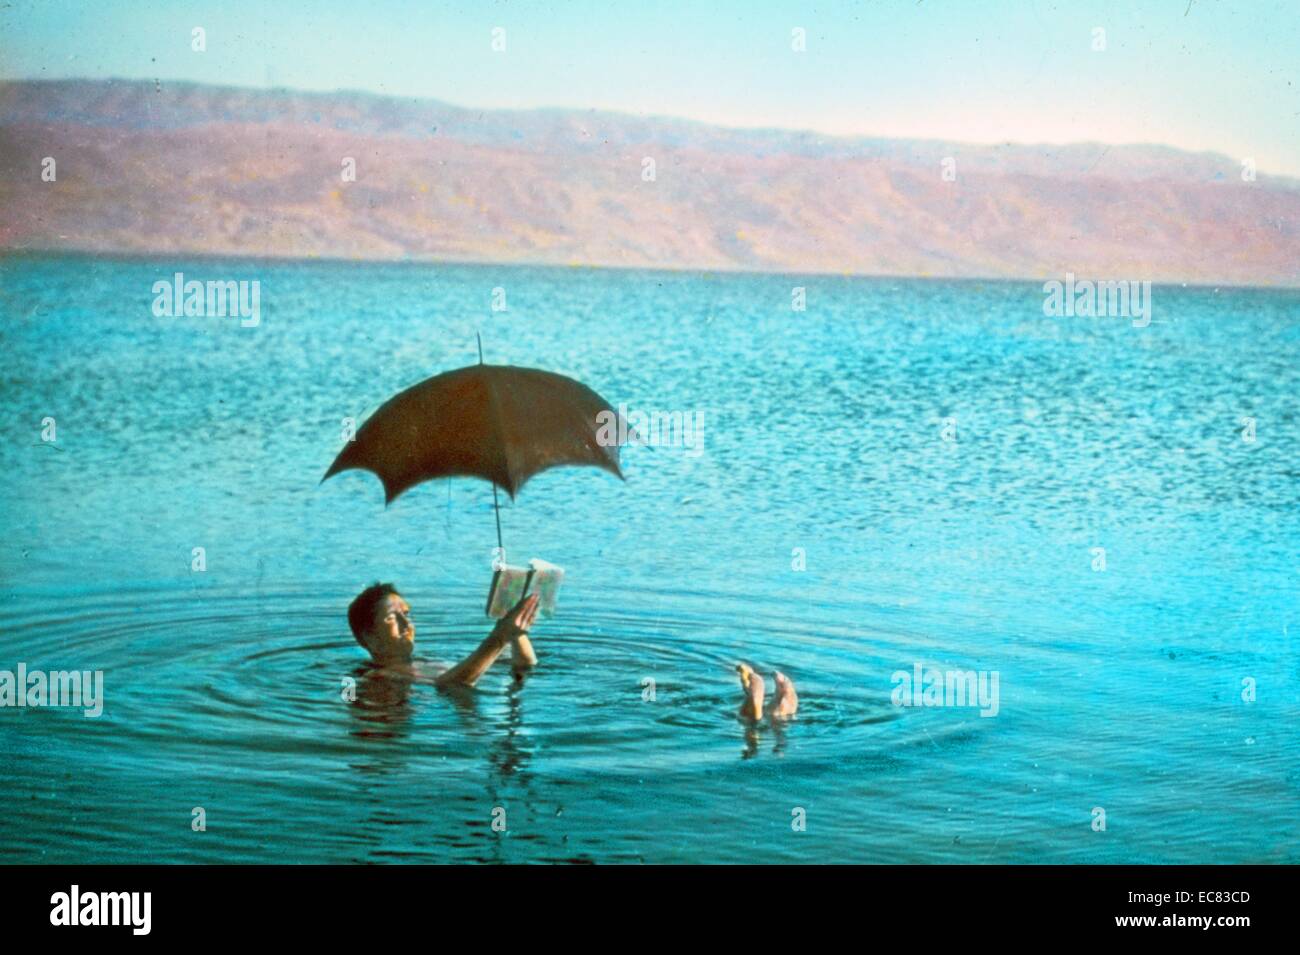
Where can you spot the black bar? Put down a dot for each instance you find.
(746, 905)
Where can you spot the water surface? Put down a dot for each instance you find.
(825, 444)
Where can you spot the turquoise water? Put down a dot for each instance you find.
(825, 430)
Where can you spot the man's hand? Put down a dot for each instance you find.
(517, 620)
(513, 627)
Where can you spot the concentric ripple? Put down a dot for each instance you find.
(251, 704)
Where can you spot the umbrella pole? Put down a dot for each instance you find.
(496, 508)
(496, 504)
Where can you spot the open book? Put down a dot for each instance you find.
(512, 584)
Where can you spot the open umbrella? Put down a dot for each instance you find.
(500, 423)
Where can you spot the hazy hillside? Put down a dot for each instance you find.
(183, 168)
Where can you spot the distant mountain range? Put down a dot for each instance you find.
(172, 168)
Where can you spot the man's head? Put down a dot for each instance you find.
(381, 621)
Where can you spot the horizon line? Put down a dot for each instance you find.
(130, 255)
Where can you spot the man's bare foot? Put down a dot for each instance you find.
(752, 684)
(786, 702)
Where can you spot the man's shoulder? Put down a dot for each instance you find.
(429, 669)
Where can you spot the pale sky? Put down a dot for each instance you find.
(1204, 75)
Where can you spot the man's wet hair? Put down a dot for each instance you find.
(361, 612)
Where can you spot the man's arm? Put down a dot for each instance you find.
(512, 628)
(522, 656)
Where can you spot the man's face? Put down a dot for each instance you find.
(392, 634)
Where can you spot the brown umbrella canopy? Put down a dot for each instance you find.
(497, 422)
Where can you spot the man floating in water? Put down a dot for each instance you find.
(785, 702)
(383, 624)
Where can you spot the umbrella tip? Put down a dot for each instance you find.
(479, 336)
